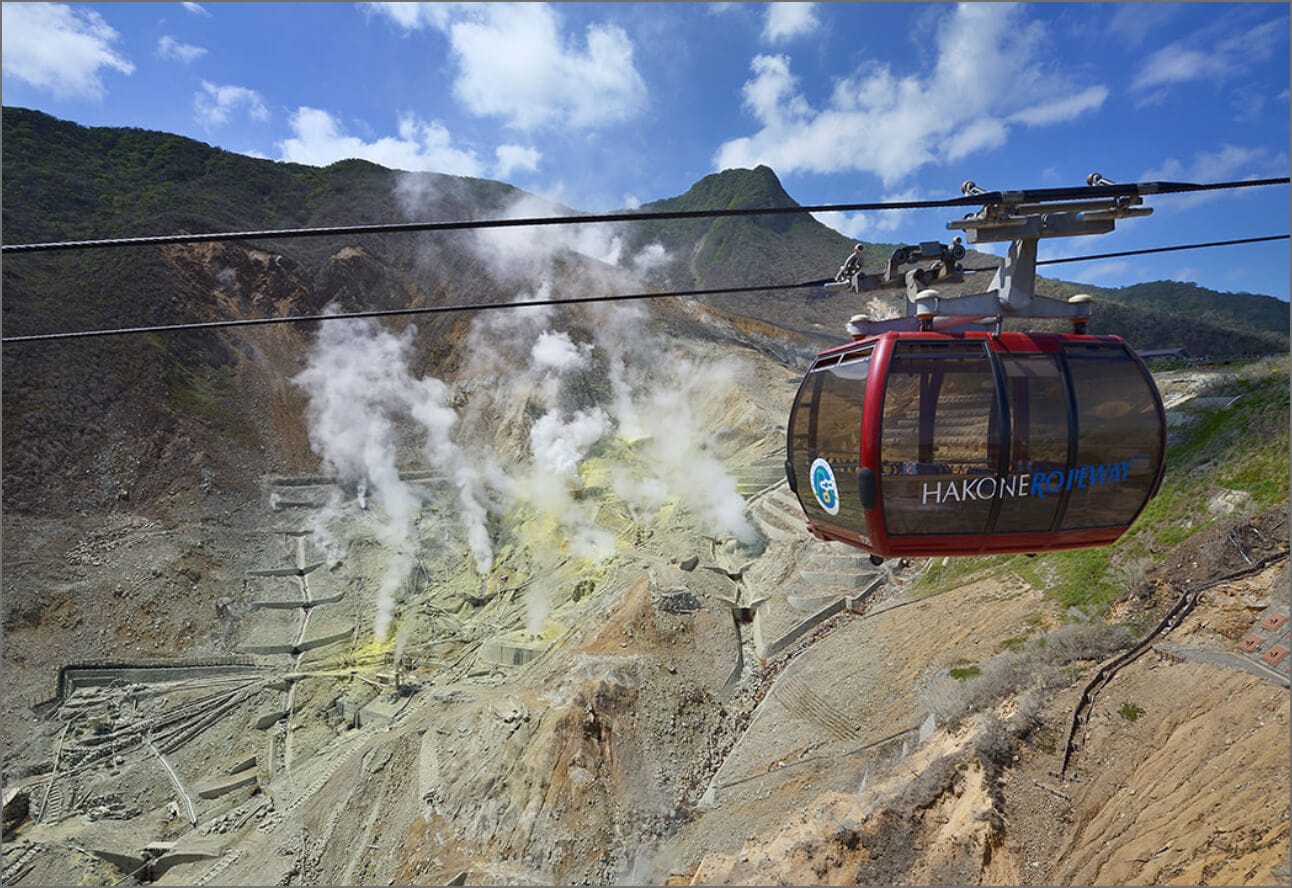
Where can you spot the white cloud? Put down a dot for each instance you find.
(420, 146)
(1207, 56)
(1048, 112)
(989, 62)
(515, 157)
(857, 225)
(1247, 106)
(852, 225)
(1175, 64)
(786, 21)
(214, 105)
(1187, 275)
(976, 135)
(770, 96)
(170, 48)
(1132, 23)
(1103, 269)
(515, 62)
(57, 48)
(412, 16)
(196, 9)
(1230, 162)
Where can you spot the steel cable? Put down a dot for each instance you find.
(1010, 197)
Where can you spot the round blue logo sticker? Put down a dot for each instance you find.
(824, 487)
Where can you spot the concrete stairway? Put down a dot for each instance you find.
(829, 571)
(826, 571)
(51, 809)
(757, 477)
(837, 566)
(779, 516)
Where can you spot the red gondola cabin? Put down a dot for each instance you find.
(976, 443)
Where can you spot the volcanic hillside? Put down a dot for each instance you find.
(522, 597)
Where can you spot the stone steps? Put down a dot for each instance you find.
(824, 579)
(811, 601)
(779, 524)
(753, 483)
(52, 806)
(835, 562)
(778, 527)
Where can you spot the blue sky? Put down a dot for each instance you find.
(606, 105)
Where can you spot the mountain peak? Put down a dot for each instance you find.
(733, 189)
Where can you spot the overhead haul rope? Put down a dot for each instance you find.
(397, 312)
(973, 200)
(492, 306)
(1227, 243)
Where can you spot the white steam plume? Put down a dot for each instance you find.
(559, 446)
(528, 362)
(662, 393)
(527, 253)
(521, 251)
(677, 451)
(520, 359)
(538, 605)
(353, 379)
(359, 387)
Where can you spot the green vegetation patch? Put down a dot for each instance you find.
(1241, 447)
(1130, 711)
(1081, 578)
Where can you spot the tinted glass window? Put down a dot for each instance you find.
(825, 441)
(1119, 438)
(1038, 413)
(938, 447)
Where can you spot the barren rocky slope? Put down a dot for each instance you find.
(639, 745)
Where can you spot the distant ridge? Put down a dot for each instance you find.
(66, 181)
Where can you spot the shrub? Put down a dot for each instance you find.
(994, 742)
(1043, 663)
(1130, 711)
(1085, 641)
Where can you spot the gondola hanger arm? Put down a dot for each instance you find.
(1022, 219)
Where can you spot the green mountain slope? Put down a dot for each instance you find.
(746, 251)
(736, 251)
(1257, 323)
(68, 182)
(65, 181)
(1203, 322)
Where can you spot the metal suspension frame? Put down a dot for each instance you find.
(1022, 218)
